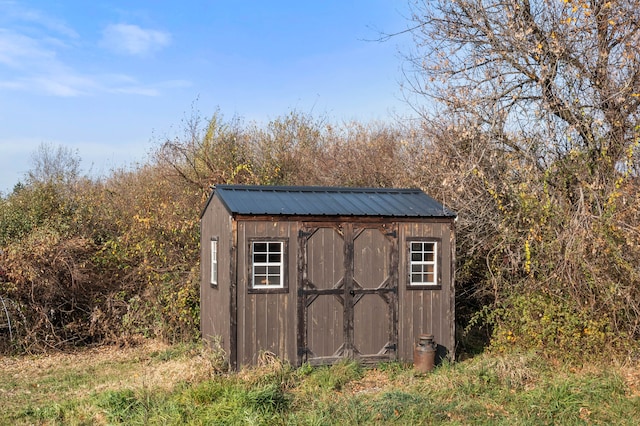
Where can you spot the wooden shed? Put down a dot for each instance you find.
(318, 274)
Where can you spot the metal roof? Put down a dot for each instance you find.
(328, 201)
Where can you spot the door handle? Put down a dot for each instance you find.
(352, 292)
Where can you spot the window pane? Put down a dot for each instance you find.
(274, 280)
(274, 270)
(275, 247)
(214, 262)
(423, 266)
(267, 264)
(268, 258)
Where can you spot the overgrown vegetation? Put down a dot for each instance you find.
(534, 143)
(108, 260)
(170, 385)
(541, 99)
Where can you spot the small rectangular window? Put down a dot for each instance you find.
(214, 262)
(423, 269)
(267, 267)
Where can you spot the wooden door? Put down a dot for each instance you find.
(347, 293)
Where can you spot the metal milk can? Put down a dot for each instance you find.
(424, 353)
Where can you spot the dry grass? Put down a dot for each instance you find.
(489, 389)
(28, 381)
(372, 382)
(631, 374)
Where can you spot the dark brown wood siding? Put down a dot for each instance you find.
(427, 311)
(347, 290)
(266, 321)
(215, 315)
(325, 316)
(373, 314)
(250, 322)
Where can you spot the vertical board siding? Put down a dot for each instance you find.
(325, 322)
(372, 314)
(325, 326)
(326, 258)
(349, 294)
(215, 302)
(266, 321)
(371, 324)
(269, 321)
(426, 310)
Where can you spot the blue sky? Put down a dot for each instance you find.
(108, 78)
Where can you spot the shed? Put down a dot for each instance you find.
(319, 274)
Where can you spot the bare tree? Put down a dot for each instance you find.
(52, 164)
(537, 102)
(215, 151)
(549, 78)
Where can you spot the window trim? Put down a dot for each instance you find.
(284, 261)
(213, 278)
(437, 263)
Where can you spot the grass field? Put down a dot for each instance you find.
(153, 383)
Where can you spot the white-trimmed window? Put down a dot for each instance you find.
(423, 261)
(267, 264)
(214, 262)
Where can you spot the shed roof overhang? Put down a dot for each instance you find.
(254, 200)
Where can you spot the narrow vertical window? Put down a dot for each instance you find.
(423, 257)
(267, 264)
(214, 262)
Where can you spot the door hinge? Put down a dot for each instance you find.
(391, 347)
(303, 234)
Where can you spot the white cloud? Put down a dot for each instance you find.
(12, 11)
(64, 84)
(21, 51)
(132, 40)
(12, 85)
(34, 49)
(151, 90)
(31, 64)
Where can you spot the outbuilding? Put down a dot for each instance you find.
(319, 274)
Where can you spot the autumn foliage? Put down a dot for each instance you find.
(541, 98)
(529, 130)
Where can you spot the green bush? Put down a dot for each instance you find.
(551, 326)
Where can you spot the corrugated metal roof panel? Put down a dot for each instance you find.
(329, 201)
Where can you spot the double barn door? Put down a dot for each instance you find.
(347, 294)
